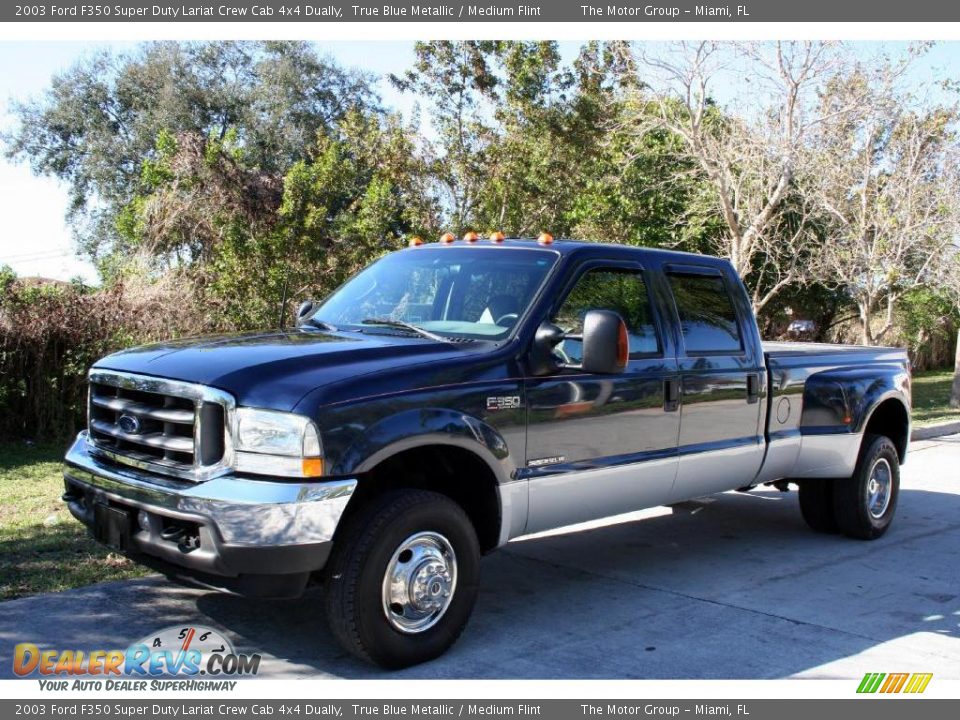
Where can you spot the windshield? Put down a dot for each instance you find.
(452, 292)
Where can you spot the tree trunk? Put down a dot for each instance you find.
(955, 392)
(865, 318)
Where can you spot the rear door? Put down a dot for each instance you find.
(600, 445)
(722, 377)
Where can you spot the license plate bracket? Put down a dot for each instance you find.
(111, 526)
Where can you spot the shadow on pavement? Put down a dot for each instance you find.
(734, 586)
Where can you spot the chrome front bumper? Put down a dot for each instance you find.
(241, 526)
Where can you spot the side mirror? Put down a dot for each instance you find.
(304, 309)
(606, 345)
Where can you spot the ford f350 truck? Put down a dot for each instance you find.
(455, 395)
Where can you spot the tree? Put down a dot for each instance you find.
(520, 191)
(749, 159)
(253, 237)
(525, 143)
(100, 120)
(638, 189)
(458, 80)
(192, 193)
(888, 183)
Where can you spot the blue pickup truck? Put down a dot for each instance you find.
(455, 395)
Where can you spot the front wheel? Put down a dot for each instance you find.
(403, 578)
(864, 505)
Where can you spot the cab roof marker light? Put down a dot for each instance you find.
(415, 241)
(545, 239)
(497, 237)
(471, 237)
(447, 238)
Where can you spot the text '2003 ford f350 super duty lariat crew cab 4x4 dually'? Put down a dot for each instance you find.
(455, 395)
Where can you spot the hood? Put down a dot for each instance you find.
(276, 369)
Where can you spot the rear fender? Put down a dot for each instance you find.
(841, 400)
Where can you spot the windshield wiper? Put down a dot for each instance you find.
(389, 322)
(321, 324)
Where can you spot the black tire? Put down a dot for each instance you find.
(354, 577)
(852, 498)
(816, 504)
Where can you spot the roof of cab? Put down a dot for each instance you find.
(565, 247)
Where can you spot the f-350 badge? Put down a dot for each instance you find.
(503, 402)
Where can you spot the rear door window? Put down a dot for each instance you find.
(708, 319)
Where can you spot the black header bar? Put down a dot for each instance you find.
(578, 11)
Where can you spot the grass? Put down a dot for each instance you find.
(931, 398)
(42, 547)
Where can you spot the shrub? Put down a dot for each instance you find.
(51, 332)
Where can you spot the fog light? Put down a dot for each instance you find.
(143, 520)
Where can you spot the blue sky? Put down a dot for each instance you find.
(35, 240)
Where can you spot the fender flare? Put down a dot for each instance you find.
(439, 427)
(832, 396)
(429, 426)
(875, 402)
(897, 397)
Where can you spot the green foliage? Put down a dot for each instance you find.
(525, 144)
(927, 320)
(358, 194)
(99, 121)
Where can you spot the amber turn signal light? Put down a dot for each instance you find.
(623, 346)
(312, 467)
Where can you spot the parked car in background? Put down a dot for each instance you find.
(801, 330)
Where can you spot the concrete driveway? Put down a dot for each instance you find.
(731, 587)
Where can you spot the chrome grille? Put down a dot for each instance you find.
(164, 426)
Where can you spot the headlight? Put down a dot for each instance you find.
(277, 443)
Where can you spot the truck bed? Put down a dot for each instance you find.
(785, 351)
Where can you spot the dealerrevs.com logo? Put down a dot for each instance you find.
(176, 651)
(887, 683)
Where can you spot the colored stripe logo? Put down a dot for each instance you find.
(913, 683)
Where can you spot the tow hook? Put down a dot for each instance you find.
(189, 543)
(173, 533)
(187, 539)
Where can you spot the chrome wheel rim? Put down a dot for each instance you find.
(878, 488)
(419, 583)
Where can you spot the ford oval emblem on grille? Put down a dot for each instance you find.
(130, 424)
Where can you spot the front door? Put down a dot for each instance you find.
(601, 445)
